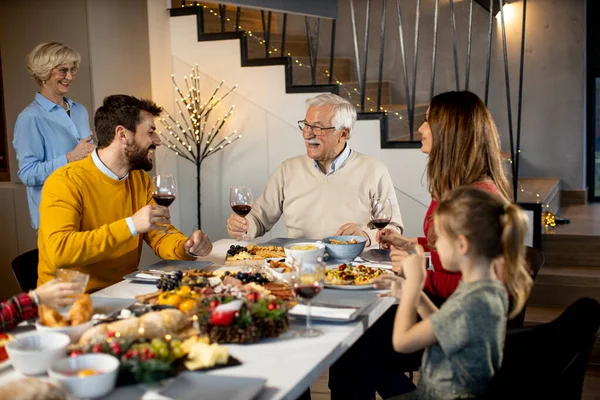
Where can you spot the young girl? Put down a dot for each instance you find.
(483, 237)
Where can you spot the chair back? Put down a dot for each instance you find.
(25, 269)
(535, 260)
(548, 360)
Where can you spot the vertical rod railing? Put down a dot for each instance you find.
(332, 51)
(356, 53)
(520, 102)
(415, 60)
(454, 44)
(508, 100)
(489, 55)
(283, 34)
(238, 13)
(266, 31)
(404, 69)
(434, 55)
(363, 94)
(468, 68)
(313, 53)
(381, 50)
(200, 20)
(222, 13)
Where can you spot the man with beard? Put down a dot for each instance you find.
(328, 191)
(95, 212)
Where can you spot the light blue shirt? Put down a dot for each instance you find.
(337, 163)
(44, 134)
(104, 169)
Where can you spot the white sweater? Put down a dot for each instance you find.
(315, 206)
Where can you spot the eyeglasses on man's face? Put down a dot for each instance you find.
(317, 130)
(63, 71)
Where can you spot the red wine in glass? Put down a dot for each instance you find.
(380, 223)
(163, 200)
(307, 291)
(241, 209)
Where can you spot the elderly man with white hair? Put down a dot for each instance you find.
(329, 190)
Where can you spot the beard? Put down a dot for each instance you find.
(138, 158)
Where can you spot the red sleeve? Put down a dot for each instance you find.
(18, 308)
(441, 284)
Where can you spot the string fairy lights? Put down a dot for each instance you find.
(194, 135)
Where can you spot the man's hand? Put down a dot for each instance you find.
(148, 217)
(237, 226)
(354, 230)
(198, 244)
(81, 151)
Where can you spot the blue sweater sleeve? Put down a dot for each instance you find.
(29, 146)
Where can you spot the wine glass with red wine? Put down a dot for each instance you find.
(240, 199)
(164, 191)
(381, 213)
(308, 282)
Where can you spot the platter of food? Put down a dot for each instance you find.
(153, 273)
(352, 276)
(252, 254)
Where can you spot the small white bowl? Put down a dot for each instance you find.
(91, 386)
(307, 256)
(74, 332)
(32, 354)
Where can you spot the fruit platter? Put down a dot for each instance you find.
(252, 254)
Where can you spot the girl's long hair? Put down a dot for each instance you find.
(495, 229)
(466, 145)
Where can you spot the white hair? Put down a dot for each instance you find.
(344, 113)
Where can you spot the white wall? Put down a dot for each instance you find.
(267, 118)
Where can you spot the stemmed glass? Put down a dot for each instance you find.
(240, 199)
(308, 282)
(381, 214)
(164, 193)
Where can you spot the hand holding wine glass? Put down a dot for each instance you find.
(308, 282)
(164, 192)
(381, 213)
(240, 199)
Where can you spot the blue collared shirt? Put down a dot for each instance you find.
(337, 163)
(44, 134)
(104, 169)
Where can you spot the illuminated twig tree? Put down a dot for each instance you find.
(194, 138)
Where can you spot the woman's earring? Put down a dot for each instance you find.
(44, 82)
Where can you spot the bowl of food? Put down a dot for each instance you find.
(305, 252)
(88, 375)
(344, 248)
(32, 354)
(73, 322)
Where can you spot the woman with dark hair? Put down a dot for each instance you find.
(462, 141)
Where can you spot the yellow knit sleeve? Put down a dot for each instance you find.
(60, 220)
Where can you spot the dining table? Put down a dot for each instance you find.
(289, 363)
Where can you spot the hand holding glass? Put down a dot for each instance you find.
(72, 276)
(164, 192)
(381, 213)
(240, 199)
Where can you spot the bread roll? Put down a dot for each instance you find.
(82, 310)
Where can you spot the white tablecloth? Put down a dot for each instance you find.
(290, 364)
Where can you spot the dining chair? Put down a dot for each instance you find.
(548, 360)
(25, 269)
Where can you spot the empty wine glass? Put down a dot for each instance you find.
(240, 199)
(381, 214)
(308, 280)
(164, 193)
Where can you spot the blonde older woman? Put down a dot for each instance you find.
(53, 130)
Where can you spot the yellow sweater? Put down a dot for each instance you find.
(83, 227)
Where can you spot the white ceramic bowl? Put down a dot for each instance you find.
(307, 256)
(91, 386)
(32, 354)
(74, 332)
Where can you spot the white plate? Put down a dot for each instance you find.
(350, 287)
(5, 363)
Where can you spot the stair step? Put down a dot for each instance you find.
(540, 190)
(347, 91)
(580, 250)
(536, 315)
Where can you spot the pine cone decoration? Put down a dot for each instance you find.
(272, 328)
(233, 334)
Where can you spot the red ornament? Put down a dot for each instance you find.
(253, 296)
(271, 306)
(97, 348)
(214, 303)
(111, 334)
